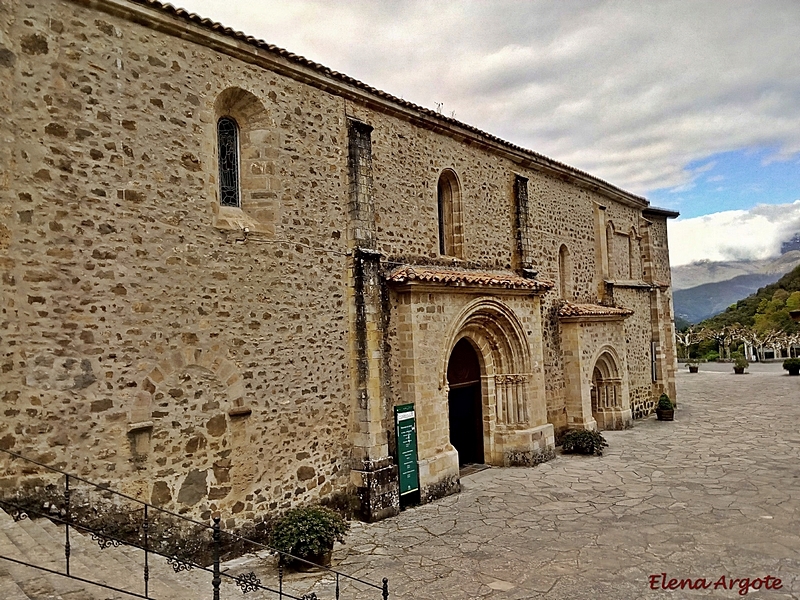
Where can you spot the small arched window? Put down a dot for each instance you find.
(228, 156)
(449, 206)
(610, 250)
(564, 273)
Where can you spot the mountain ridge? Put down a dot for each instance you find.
(704, 272)
(703, 301)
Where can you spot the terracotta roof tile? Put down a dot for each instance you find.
(325, 71)
(463, 277)
(592, 310)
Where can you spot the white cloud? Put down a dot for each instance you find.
(630, 91)
(734, 234)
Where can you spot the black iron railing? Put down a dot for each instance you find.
(134, 527)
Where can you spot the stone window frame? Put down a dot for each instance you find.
(610, 249)
(449, 210)
(564, 272)
(229, 171)
(634, 255)
(253, 214)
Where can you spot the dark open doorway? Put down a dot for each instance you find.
(464, 403)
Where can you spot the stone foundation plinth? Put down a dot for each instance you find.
(524, 447)
(377, 489)
(439, 476)
(613, 418)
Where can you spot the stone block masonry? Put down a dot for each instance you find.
(123, 305)
(246, 358)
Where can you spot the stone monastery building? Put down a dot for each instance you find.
(223, 266)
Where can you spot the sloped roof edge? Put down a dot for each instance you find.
(463, 277)
(325, 78)
(577, 311)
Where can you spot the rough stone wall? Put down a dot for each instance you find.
(120, 297)
(407, 162)
(658, 233)
(205, 364)
(563, 214)
(638, 334)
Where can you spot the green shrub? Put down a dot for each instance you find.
(582, 441)
(664, 403)
(308, 531)
(791, 363)
(739, 360)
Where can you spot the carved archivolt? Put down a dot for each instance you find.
(504, 354)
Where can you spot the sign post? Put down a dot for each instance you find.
(406, 429)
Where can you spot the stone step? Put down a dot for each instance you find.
(40, 546)
(34, 583)
(111, 566)
(81, 564)
(41, 542)
(9, 590)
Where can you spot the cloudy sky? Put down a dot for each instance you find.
(694, 104)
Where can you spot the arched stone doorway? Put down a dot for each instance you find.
(465, 403)
(607, 401)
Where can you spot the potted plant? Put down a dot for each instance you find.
(665, 410)
(792, 365)
(739, 363)
(308, 533)
(693, 364)
(583, 441)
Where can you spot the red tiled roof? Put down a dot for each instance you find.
(459, 277)
(592, 310)
(346, 79)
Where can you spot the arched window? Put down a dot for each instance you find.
(564, 273)
(610, 251)
(228, 156)
(634, 255)
(449, 205)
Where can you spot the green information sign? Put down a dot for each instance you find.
(406, 428)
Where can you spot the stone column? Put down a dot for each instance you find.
(373, 473)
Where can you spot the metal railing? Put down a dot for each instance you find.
(135, 528)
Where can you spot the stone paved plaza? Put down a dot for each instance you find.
(714, 493)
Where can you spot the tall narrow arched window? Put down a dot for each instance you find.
(228, 156)
(564, 273)
(612, 270)
(449, 206)
(634, 271)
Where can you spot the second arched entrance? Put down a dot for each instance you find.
(465, 404)
(608, 404)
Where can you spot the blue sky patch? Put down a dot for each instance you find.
(737, 180)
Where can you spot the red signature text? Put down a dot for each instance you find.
(744, 584)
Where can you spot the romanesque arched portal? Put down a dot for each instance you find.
(491, 387)
(606, 393)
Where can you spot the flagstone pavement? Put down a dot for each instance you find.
(714, 494)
